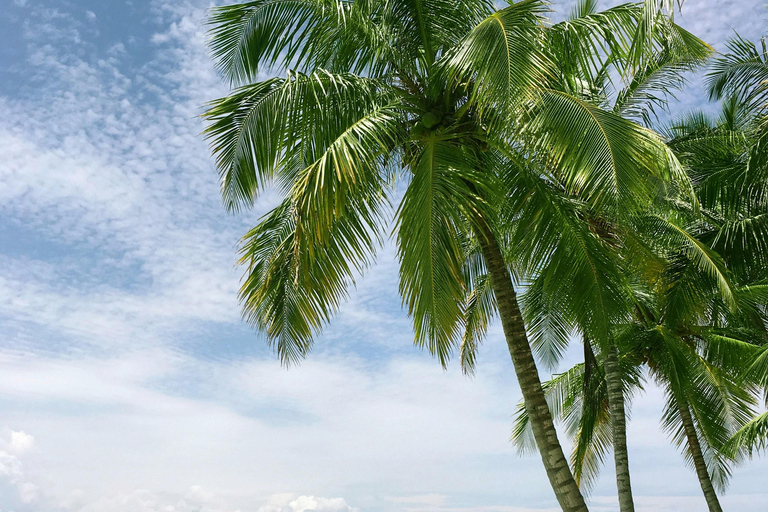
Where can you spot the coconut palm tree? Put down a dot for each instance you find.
(567, 244)
(724, 330)
(692, 344)
(694, 340)
(454, 100)
(740, 139)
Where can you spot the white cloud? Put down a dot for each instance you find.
(10, 465)
(290, 503)
(143, 500)
(28, 492)
(142, 196)
(13, 477)
(21, 442)
(426, 500)
(280, 431)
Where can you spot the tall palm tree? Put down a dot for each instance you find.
(651, 59)
(705, 401)
(447, 96)
(694, 340)
(738, 146)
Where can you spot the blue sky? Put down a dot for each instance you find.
(128, 382)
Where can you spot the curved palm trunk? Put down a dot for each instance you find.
(619, 428)
(698, 458)
(555, 463)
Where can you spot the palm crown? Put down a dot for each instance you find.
(450, 93)
(486, 116)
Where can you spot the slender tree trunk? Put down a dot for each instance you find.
(559, 473)
(698, 458)
(619, 427)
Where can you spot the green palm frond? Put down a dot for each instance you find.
(274, 129)
(563, 394)
(754, 294)
(294, 285)
(500, 60)
(434, 209)
(582, 9)
(730, 349)
(654, 83)
(757, 371)
(248, 37)
(479, 309)
(549, 327)
(751, 438)
(588, 42)
(615, 162)
(433, 26)
(742, 72)
(701, 257)
(718, 465)
(743, 242)
(577, 276)
(657, 31)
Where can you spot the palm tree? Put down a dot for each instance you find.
(651, 59)
(738, 142)
(686, 329)
(692, 358)
(444, 97)
(669, 342)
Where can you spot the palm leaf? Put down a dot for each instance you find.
(479, 309)
(438, 200)
(501, 58)
(615, 162)
(750, 438)
(742, 72)
(277, 128)
(265, 33)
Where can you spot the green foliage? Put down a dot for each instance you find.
(444, 91)
(495, 121)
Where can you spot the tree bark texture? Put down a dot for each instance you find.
(619, 428)
(713, 502)
(559, 473)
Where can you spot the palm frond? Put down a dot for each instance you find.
(742, 72)
(615, 162)
(434, 208)
(293, 285)
(589, 41)
(244, 38)
(562, 392)
(727, 351)
(277, 128)
(653, 84)
(479, 309)
(547, 322)
(697, 253)
(757, 371)
(501, 59)
(751, 438)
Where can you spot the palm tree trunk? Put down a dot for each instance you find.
(559, 473)
(698, 458)
(619, 427)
